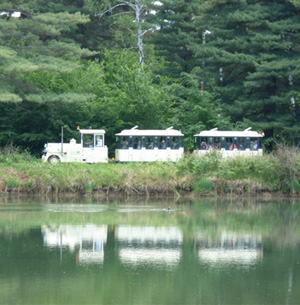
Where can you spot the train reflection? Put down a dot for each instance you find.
(140, 245)
(149, 245)
(88, 239)
(231, 248)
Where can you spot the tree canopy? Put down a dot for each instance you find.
(193, 64)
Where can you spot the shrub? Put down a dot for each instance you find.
(259, 168)
(199, 166)
(10, 155)
(287, 163)
(12, 183)
(203, 185)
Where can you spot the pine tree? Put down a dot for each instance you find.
(253, 57)
(35, 41)
(175, 32)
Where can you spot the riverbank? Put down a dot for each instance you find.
(192, 176)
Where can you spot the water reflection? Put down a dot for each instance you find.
(151, 245)
(88, 240)
(110, 254)
(231, 249)
(140, 245)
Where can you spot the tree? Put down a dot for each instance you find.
(196, 110)
(174, 35)
(138, 25)
(121, 95)
(39, 42)
(252, 55)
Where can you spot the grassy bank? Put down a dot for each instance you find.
(208, 175)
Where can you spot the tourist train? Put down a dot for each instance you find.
(149, 145)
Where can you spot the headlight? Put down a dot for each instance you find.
(45, 150)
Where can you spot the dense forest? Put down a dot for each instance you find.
(114, 64)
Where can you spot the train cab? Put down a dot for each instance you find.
(92, 148)
(229, 143)
(136, 145)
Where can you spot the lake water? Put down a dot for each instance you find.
(125, 252)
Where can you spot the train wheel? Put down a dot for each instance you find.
(53, 160)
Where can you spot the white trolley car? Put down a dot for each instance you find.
(90, 150)
(134, 145)
(229, 143)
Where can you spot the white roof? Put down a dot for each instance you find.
(247, 133)
(169, 132)
(92, 131)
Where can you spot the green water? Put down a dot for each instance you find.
(200, 252)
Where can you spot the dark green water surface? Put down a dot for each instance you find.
(200, 252)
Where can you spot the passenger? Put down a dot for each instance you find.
(203, 145)
(163, 144)
(232, 146)
(255, 145)
(241, 147)
(216, 146)
(125, 145)
(150, 145)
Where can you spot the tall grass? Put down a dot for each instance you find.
(209, 174)
(286, 160)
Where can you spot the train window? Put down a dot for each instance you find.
(124, 144)
(162, 143)
(203, 143)
(180, 142)
(223, 142)
(130, 141)
(88, 140)
(99, 140)
(216, 143)
(232, 143)
(168, 141)
(254, 144)
(174, 143)
(247, 143)
(137, 143)
(150, 144)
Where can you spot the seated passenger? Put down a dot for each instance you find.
(255, 145)
(203, 145)
(232, 146)
(150, 145)
(163, 144)
(216, 146)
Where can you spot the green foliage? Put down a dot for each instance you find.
(287, 163)
(252, 54)
(68, 63)
(203, 166)
(11, 183)
(41, 41)
(12, 155)
(203, 185)
(195, 110)
(261, 169)
(279, 171)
